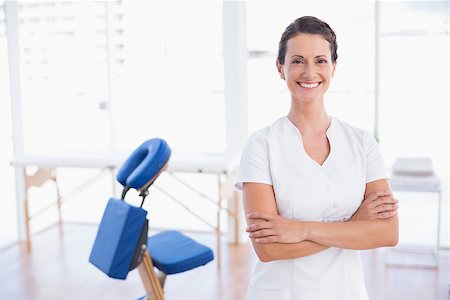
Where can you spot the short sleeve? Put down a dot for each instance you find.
(374, 161)
(254, 165)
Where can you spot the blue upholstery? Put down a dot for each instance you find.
(173, 252)
(123, 229)
(144, 163)
(117, 238)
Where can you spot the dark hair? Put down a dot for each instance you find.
(310, 25)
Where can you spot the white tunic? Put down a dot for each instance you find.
(305, 190)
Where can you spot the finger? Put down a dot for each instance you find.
(383, 200)
(383, 193)
(258, 226)
(260, 215)
(262, 233)
(371, 197)
(267, 240)
(385, 207)
(376, 195)
(386, 214)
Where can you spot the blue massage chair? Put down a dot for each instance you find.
(122, 243)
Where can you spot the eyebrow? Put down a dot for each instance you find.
(322, 55)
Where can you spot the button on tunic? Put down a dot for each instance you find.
(306, 190)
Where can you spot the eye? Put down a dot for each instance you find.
(297, 61)
(322, 61)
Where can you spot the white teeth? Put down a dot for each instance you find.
(309, 85)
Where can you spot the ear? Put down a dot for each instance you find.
(333, 69)
(280, 69)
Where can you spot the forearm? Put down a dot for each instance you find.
(276, 251)
(361, 234)
(261, 197)
(275, 237)
(358, 235)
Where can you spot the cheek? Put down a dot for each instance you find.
(293, 72)
(328, 72)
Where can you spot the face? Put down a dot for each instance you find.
(307, 68)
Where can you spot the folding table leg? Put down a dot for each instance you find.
(27, 224)
(37, 179)
(218, 231)
(58, 202)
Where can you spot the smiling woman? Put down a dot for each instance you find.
(314, 187)
(309, 66)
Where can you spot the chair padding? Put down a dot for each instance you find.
(144, 163)
(173, 252)
(117, 238)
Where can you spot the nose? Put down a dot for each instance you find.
(308, 71)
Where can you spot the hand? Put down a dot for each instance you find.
(275, 229)
(379, 205)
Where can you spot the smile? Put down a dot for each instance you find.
(312, 85)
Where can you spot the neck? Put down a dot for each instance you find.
(310, 118)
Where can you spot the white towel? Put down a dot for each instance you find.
(415, 183)
(419, 166)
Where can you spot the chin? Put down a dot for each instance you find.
(308, 98)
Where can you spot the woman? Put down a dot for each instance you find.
(314, 187)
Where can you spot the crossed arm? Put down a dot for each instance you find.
(375, 224)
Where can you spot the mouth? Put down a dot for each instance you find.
(309, 85)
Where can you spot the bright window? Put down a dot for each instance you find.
(63, 76)
(171, 84)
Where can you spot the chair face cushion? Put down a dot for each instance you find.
(144, 163)
(173, 252)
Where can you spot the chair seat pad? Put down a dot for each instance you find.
(173, 252)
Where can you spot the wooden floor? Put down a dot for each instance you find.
(59, 269)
